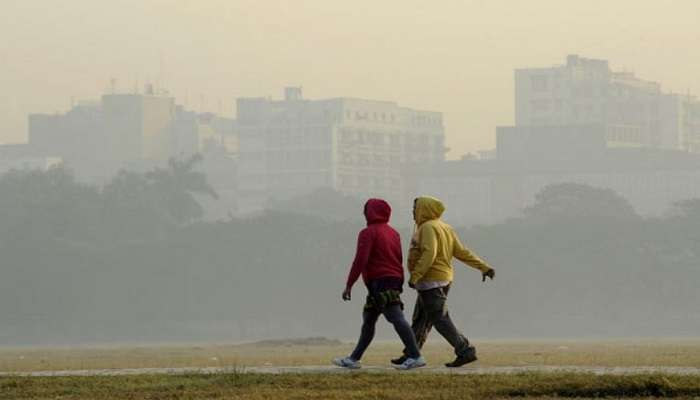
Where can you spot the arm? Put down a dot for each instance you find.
(466, 256)
(428, 251)
(364, 246)
(413, 252)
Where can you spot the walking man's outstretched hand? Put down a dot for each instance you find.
(490, 273)
(346, 294)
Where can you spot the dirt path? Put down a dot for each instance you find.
(474, 370)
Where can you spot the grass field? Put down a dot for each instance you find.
(609, 353)
(350, 386)
(353, 385)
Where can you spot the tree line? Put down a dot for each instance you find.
(133, 260)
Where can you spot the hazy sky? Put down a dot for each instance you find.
(452, 56)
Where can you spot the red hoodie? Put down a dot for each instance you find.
(378, 246)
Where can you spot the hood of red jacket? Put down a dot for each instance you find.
(377, 211)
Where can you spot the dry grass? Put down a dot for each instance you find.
(681, 353)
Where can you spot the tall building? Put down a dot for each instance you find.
(71, 136)
(680, 125)
(130, 130)
(292, 146)
(578, 123)
(193, 132)
(119, 127)
(633, 112)
(137, 126)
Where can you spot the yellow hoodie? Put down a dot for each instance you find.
(435, 244)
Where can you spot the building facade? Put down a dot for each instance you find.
(632, 111)
(490, 192)
(129, 130)
(293, 146)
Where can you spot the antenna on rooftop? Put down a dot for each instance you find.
(160, 82)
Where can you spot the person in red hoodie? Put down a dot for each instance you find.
(379, 260)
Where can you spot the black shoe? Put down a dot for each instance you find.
(399, 361)
(469, 356)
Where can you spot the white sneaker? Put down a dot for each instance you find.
(411, 363)
(347, 362)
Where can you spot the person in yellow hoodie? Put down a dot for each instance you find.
(433, 246)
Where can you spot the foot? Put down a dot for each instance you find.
(347, 362)
(411, 363)
(466, 358)
(399, 361)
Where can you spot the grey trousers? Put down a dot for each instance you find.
(431, 310)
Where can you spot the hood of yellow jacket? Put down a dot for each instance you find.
(428, 208)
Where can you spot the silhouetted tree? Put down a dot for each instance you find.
(35, 203)
(176, 186)
(689, 209)
(325, 203)
(567, 201)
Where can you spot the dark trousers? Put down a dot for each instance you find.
(431, 310)
(394, 314)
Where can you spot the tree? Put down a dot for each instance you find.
(571, 200)
(49, 203)
(325, 203)
(176, 186)
(688, 209)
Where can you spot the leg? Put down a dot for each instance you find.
(420, 323)
(435, 302)
(450, 332)
(369, 320)
(394, 315)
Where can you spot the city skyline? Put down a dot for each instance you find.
(209, 54)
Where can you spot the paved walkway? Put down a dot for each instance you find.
(469, 370)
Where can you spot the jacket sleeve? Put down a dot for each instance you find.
(413, 253)
(466, 256)
(364, 246)
(428, 251)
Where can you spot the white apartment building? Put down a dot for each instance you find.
(292, 146)
(633, 112)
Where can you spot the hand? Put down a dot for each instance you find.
(346, 294)
(490, 273)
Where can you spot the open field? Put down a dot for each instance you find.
(350, 386)
(507, 369)
(609, 353)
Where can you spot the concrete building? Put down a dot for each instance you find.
(137, 126)
(192, 132)
(633, 112)
(134, 131)
(292, 146)
(23, 156)
(680, 122)
(73, 136)
(489, 192)
(577, 123)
